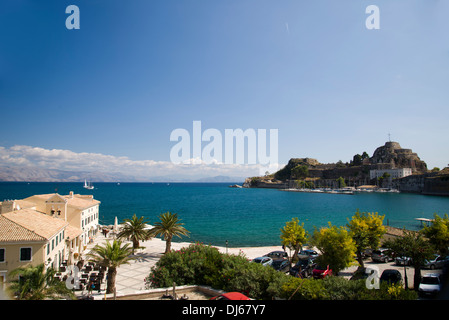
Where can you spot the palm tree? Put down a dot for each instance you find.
(168, 227)
(111, 256)
(134, 229)
(36, 283)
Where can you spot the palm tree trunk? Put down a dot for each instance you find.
(168, 244)
(135, 244)
(112, 273)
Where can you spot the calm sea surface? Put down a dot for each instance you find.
(214, 213)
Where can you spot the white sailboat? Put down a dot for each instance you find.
(87, 185)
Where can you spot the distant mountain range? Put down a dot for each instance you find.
(36, 174)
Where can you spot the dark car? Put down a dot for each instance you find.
(282, 265)
(308, 254)
(367, 253)
(303, 268)
(392, 276)
(382, 255)
(277, 255)
(403, 261)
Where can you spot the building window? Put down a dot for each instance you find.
(25, 254)
(2, 255)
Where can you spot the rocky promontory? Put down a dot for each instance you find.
(310, 173)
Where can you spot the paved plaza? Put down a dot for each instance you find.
(131, 276)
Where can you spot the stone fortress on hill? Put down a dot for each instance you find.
(390, 166)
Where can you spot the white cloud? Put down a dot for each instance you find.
(20, 155)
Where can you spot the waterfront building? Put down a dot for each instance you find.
(47, 228)
(394, 173)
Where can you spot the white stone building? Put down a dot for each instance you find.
(394, 173)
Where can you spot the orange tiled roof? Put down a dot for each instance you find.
(78, 201)
(13, 232)
(30, 226)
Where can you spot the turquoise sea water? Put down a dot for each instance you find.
(214, 213)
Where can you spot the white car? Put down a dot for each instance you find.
(430, 284)
(265, 261)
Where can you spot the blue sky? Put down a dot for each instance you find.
(137, 70)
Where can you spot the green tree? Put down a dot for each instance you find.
(357, 160)
(413, 245)
(134, 229)
(341, 182)
(336, 246)
(111, 256)
(36, 283)
(366, 230)
(438, 233)
(168, 227)
(293, 236)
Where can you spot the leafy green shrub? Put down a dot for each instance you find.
(388, 292)
(303, 289)
(338, 288)
(256, 280)
(205, 265)
(196, 264)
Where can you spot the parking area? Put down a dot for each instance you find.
(410, 271)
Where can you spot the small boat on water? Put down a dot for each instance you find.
(88, 186)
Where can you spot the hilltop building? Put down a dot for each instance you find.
(46, 228)
(393, 156)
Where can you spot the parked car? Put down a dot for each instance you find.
(437, 262)
(231, 296)
(303, 268)
(308, 254)
(277, 255)
(367, 253)
(381, 255)
(430, 284)
(282, 265)
(263, 261)
(320, 272)
(403, 261)
(392, 276)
